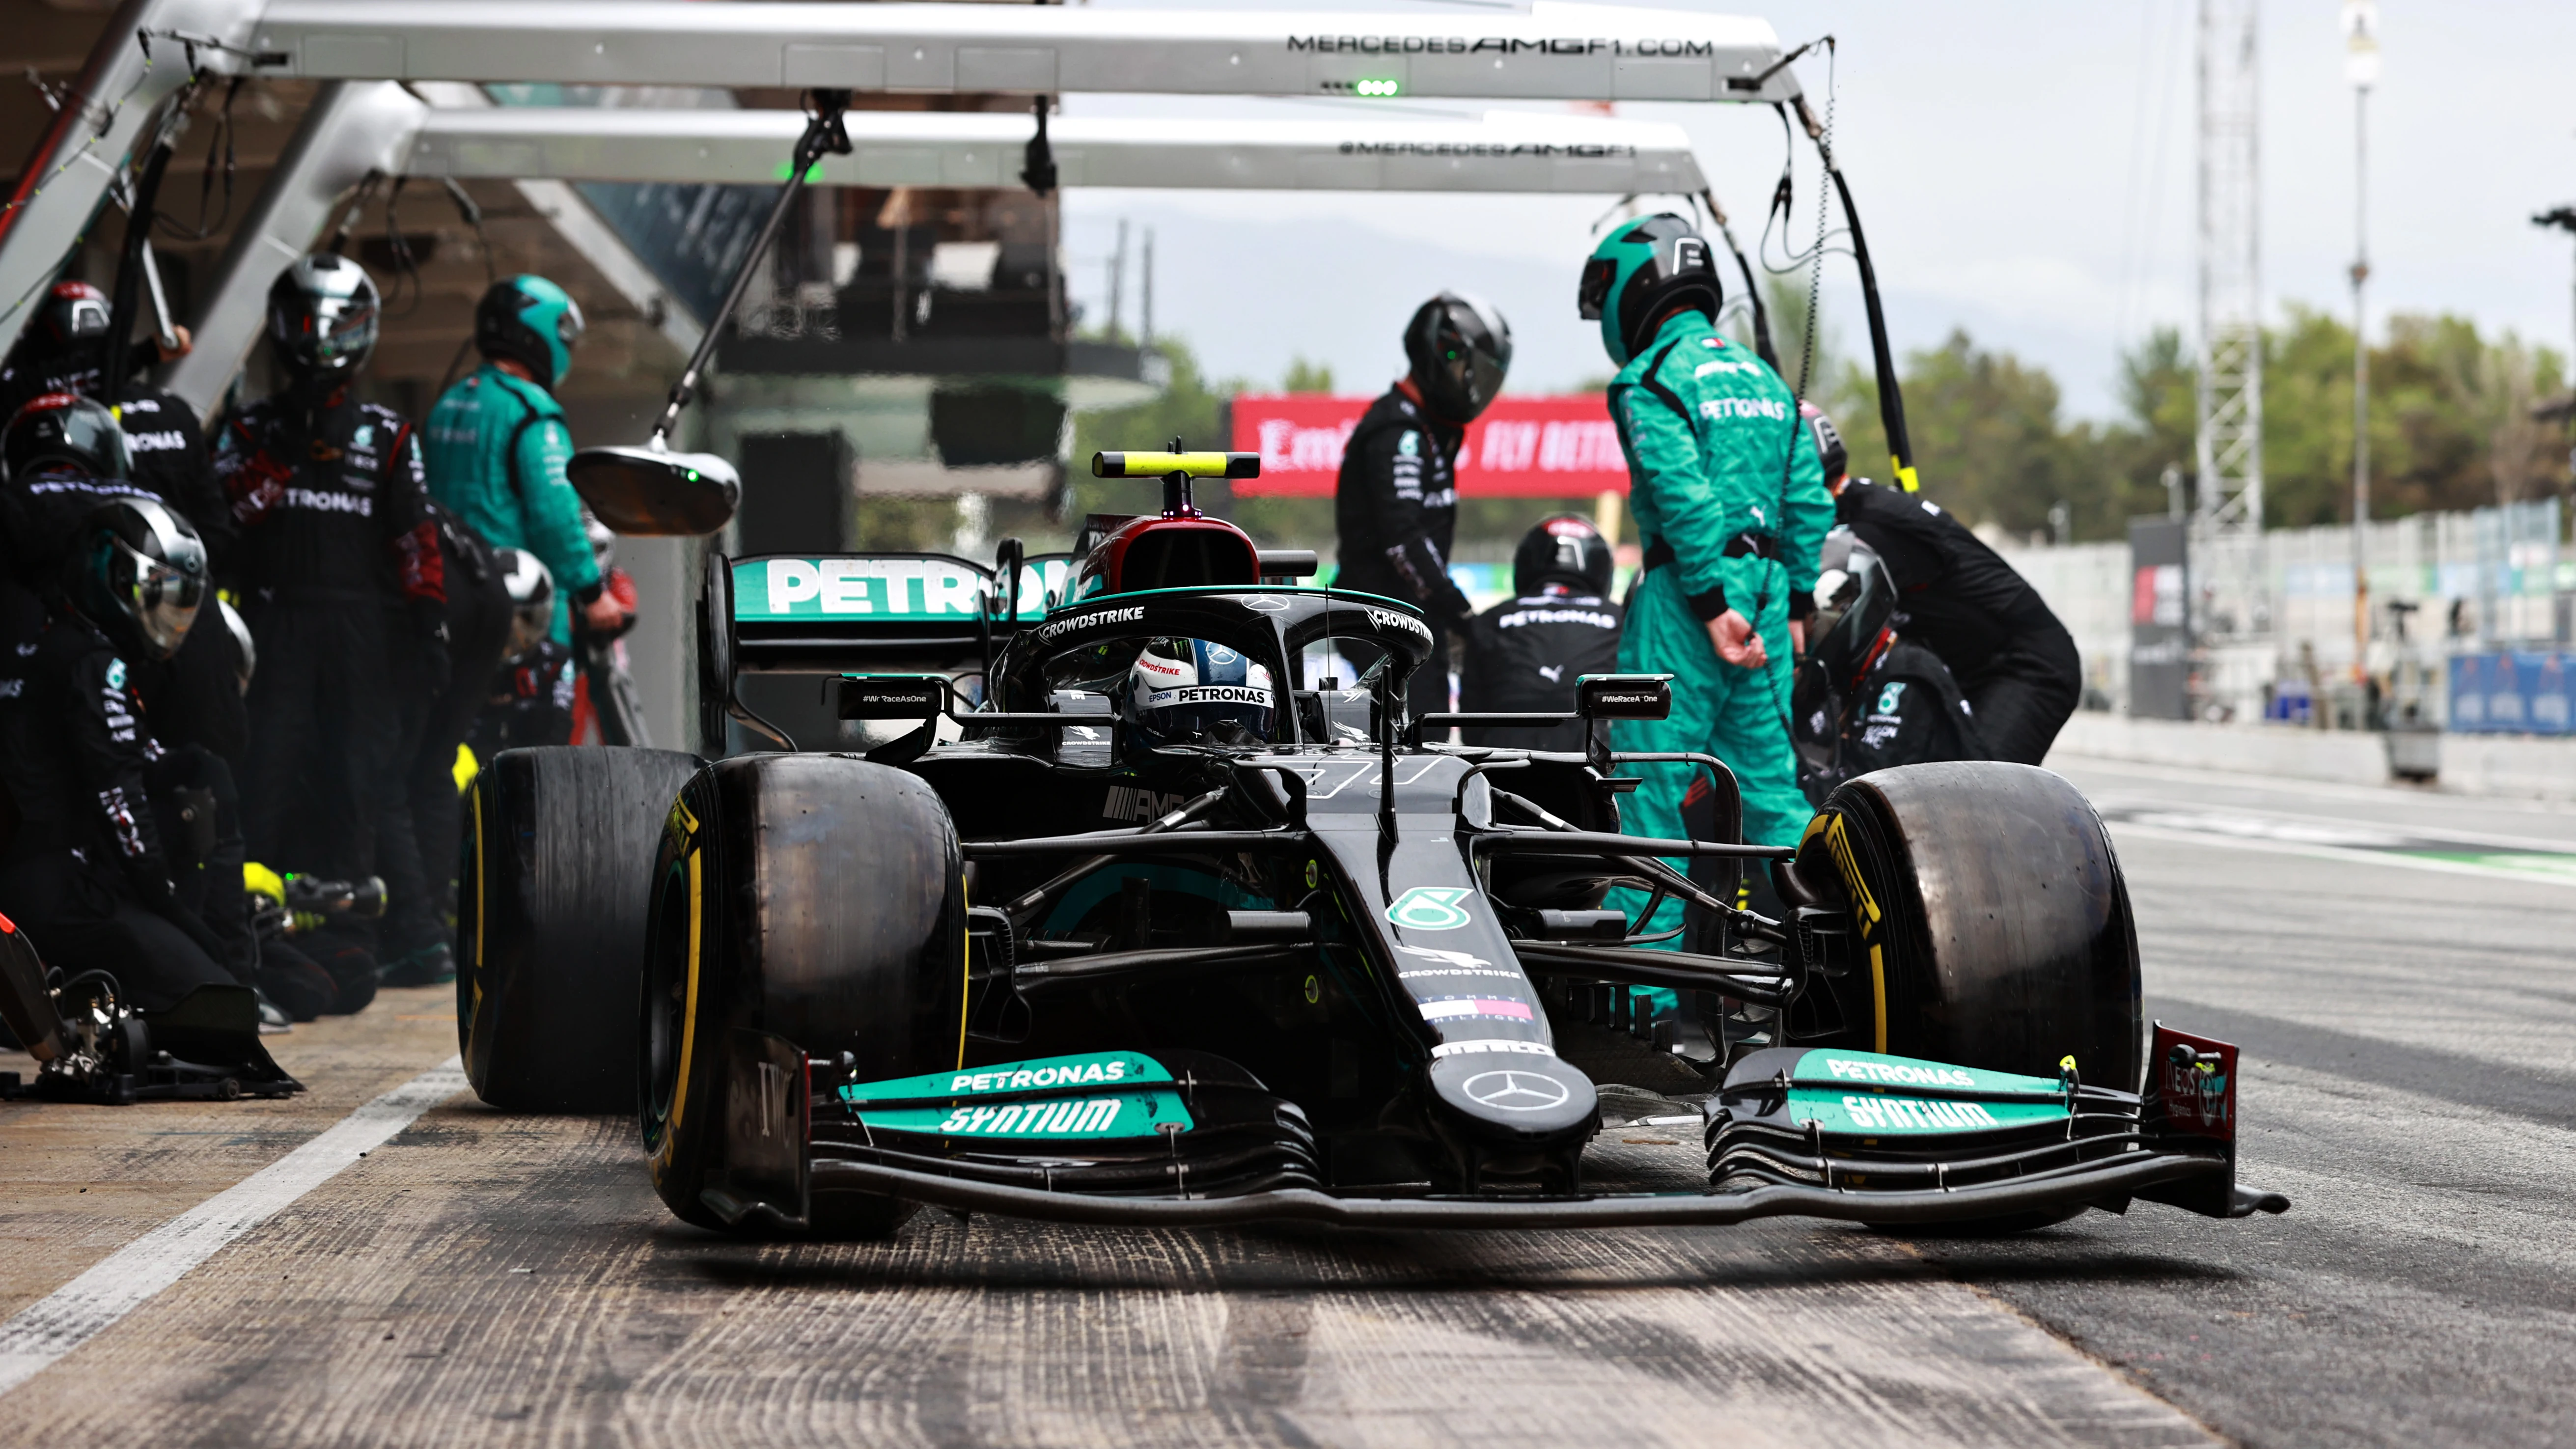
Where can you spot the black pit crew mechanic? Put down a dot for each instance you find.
(2013, 660)
(340, 561)
(1867, 699)
(64, 350)
(1395, 506)
(1524, 654)
(65, 456)
(88, 872)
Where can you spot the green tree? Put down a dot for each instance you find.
(1304, 376)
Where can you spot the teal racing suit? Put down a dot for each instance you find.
(497, 446)
(1731, 507)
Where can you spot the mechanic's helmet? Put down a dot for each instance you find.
(1563, 548)
(322, 318)
(1641, 271)
(603, 541)
(1829, 443)
(1459, 347)
(532, 598)
(1191, 691)
(62, 429)
(245, 648)
(140, 574)
(1855, 597)
(75, 316)
(532, 322)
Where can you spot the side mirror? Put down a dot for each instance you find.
(648, 492)
(1623, 696)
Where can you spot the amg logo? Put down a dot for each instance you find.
(1587, 151)
(1126, 802)
(1050, 632)
(1491, 45)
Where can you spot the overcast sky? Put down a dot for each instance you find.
(2025, 170)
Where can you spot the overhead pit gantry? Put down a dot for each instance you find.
(1549, 51)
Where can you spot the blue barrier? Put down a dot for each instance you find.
(2513, 694)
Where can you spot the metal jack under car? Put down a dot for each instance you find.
(1016, 958)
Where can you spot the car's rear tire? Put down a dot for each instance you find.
(818, 898)
(1990, 921)
(558, 854)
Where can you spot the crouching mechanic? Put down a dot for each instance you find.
(1731, 508)
(528, 700)
(1868, 699)
(2013, 660)
(1395, 506)
(122, 861)
(1525, 654)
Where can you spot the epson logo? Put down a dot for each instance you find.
(1048, 633)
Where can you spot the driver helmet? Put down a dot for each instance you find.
(322, 318)
(532, 599)
(140, 575)
(1855, 600)
(1193, 691)
(1562, 548)
(1459, 348)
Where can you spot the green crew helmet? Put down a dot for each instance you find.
(532, 322)
(1640, 272)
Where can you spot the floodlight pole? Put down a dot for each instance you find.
(2361, 67)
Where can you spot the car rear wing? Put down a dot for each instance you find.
(829, 613)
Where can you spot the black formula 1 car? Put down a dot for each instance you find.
(1035, 951)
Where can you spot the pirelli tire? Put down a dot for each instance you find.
(1990, 925)
(816, 898)
(557, 861)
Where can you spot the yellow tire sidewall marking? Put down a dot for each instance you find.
(688, 1024)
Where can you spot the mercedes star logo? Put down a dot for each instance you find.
(1515, 1091)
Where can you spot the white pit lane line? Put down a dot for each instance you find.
(80, 1310)
(2541, 872)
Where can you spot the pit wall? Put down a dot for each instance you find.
(2516, 767)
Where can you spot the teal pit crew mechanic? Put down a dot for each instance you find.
(498, 444)
(1731, 507)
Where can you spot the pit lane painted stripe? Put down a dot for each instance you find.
(2538, 874)
(90, 1304)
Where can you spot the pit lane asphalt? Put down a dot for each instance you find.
(2410, 1079)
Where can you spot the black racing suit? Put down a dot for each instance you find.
(2012, 659)
(87, 872)
(1523, 655)
(1905, 711)
(336, 535)
(1396, 511)
(418, 831)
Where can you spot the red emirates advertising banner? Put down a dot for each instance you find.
(1523, 447)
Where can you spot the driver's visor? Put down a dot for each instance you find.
(1595, 290)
